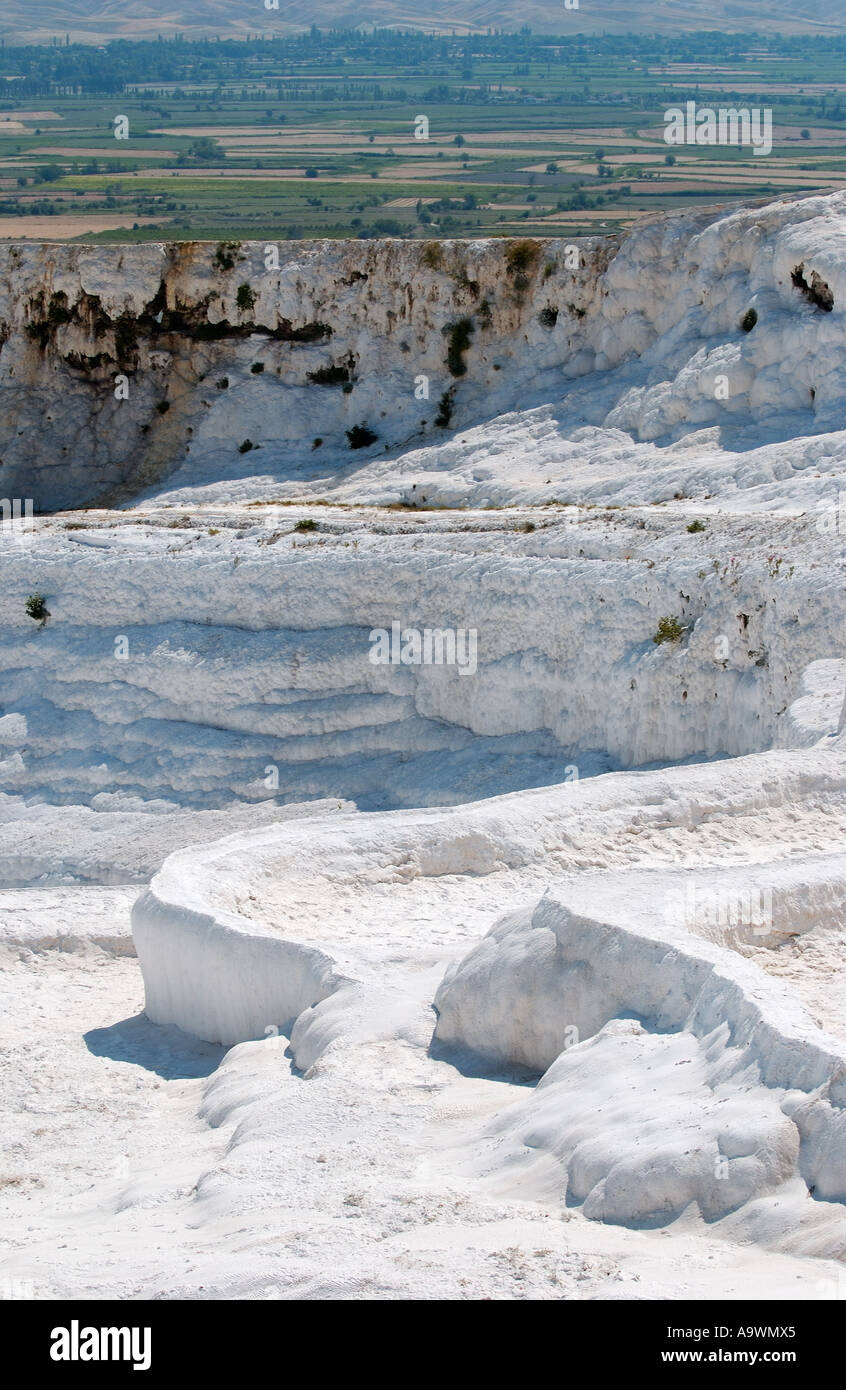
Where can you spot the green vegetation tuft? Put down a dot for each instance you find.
(226, 255)
(521, 257)
(459, 335)
(37, 609)
(329, 376)
(245, 298)
(360, 436)
(669, 630)
(432, 256)
(446, 406)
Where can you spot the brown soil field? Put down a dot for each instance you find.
(33, 116)
(117, 149)
(62, 228)
(291, 135)
(333, 143)
(584, 134)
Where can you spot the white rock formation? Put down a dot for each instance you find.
(563, 938)
(628, 377)
(185, 667)
(628, 974)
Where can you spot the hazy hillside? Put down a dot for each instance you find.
(109, 18)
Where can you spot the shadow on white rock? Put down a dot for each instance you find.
(677, 1072)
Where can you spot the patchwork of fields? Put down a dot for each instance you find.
(349, 135)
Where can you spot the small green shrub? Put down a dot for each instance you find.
(360, 436)
(227, 254)
(522, 256)
(245, 297)
(459, 335)
(526, 526)
(750, 318)
(548, 317)
(246, 446)
(257, 368)
(446, 406)
(223, 384)
(432, 255)
(306, 524)
(696, 526)
(669, 630)
(329, 376)
(37, 608)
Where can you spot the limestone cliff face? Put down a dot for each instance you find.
(121, 367)
(184, 655)
(118, 364)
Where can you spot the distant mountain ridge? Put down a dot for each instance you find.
(96, 20)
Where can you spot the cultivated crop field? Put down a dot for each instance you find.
(390, 134)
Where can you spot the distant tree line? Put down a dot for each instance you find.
(76, 69)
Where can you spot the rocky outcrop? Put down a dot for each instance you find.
(201, 364)
(118, 365)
